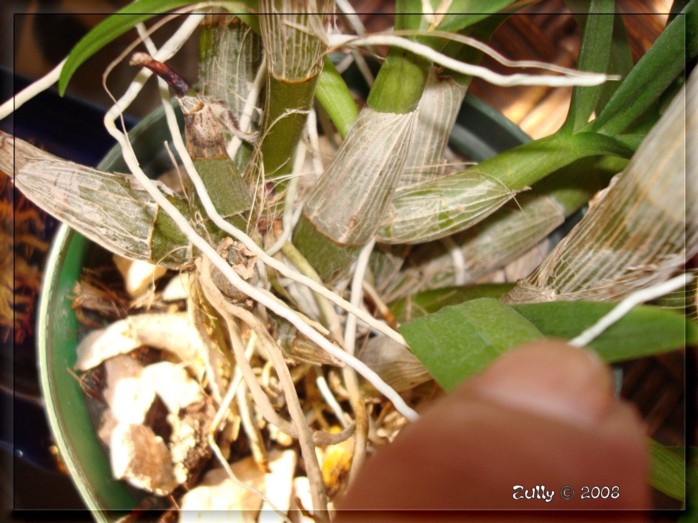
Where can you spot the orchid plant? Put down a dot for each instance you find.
(348, 272)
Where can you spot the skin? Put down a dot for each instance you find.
(543, 414)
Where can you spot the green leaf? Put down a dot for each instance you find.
(667, 469)
(526, 164)
(464, 13)
(110, 29)
(430, 301)
(333, 94)
(645, 330)
(594, 55)
(408, 16)
(454, 203)
(652, 75)
(459, 341)
(620, 62)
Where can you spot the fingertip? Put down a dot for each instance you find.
(552, 379)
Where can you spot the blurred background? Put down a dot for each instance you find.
(36, 35)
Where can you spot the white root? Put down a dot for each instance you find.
(248, 242)
(163, 54)
(573, 78)
(357, 295)
(31, 91)
(228, 311)
(303, 432)
(264, 298)
(350, 378)
(625, 306)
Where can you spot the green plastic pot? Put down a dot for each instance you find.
(480, 132)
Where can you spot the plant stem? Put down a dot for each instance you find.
(294, 53)
(229, 57)
(262, 297)
(400, 83)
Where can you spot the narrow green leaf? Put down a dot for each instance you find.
(408, 15)
(526, 164)
(667, 469)
(454, 203)
(655, 71)
(430, 301)
(594, 55)
(620, 62)
(464, 13)
(333, 94)
(644, 331)
(110, 29)
(459, 341)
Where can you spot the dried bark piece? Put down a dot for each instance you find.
(128, 395)
(177, 288)
(138, 275)
(189, 448)
(107, 423)
(141, 458)
(173, 384)
(218, 492)
(278, 482)
(172, 332)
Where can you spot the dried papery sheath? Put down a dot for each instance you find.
(394, 363)
(489, 245)
(439, 208)
(110, 209)
(348, 201)
(229, 55)
(637, 233)
(506, 235)
(437, 111)
(453, 203)
(290, 30)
